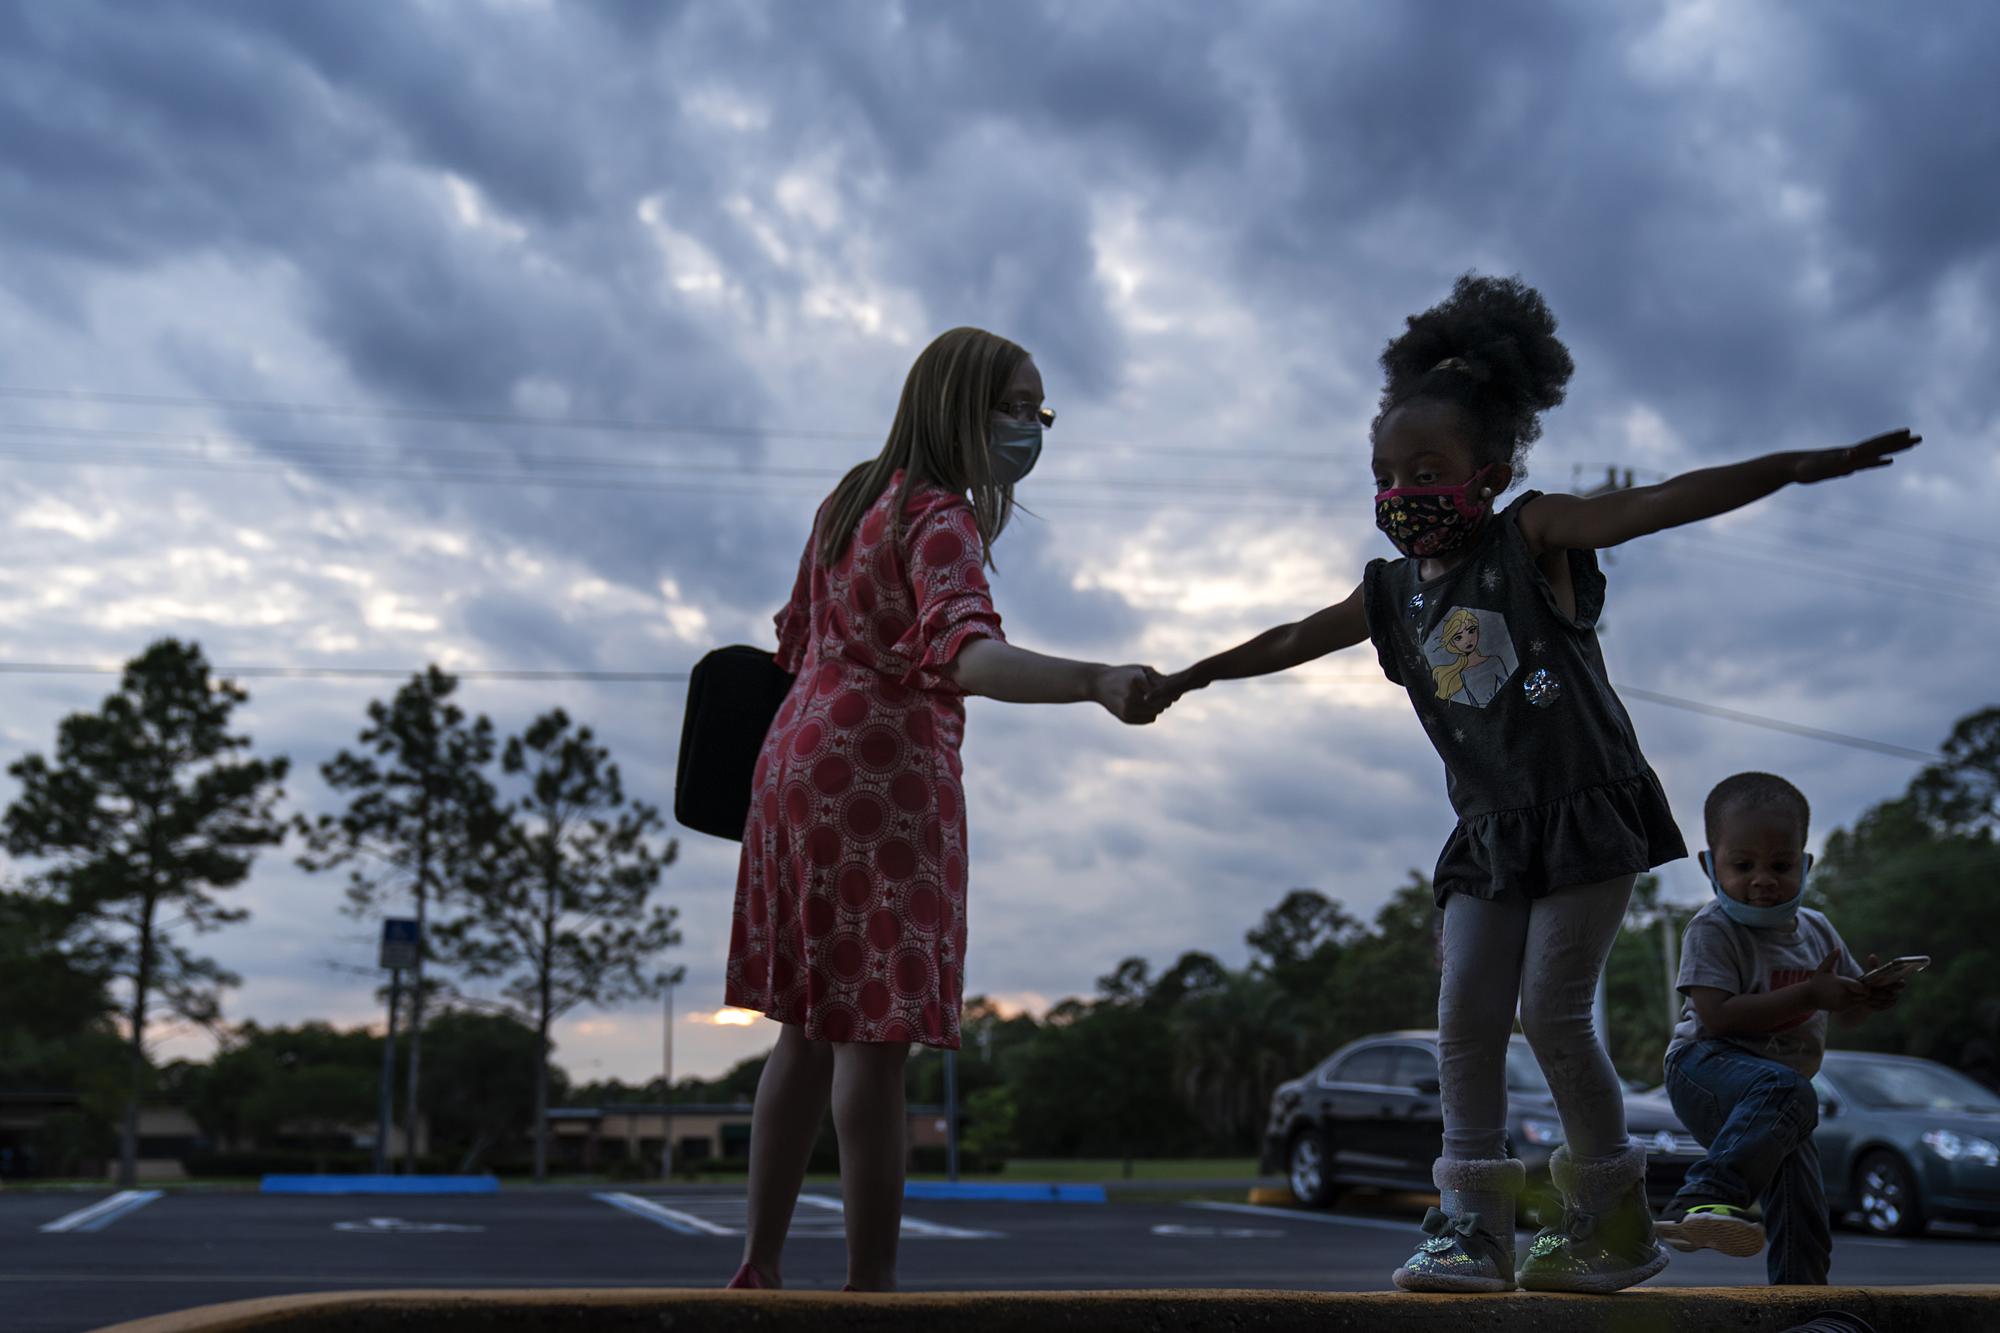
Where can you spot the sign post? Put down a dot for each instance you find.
(398, 951)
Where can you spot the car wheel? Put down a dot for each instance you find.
(1885, 1194)
(1309, 1168)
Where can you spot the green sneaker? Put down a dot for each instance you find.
(1710, 1226)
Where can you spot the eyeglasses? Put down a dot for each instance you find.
(1026, 411)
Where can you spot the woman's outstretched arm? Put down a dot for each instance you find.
(997, 670)
(1563, 522)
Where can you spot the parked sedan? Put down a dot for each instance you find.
(1902, 1141)
(1370, 1115)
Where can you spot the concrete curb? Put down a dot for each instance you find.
(1940, 1309)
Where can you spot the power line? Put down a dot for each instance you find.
(357, 673)
(656, 677)
(1778, 724)
(618, 425)
(339, 459)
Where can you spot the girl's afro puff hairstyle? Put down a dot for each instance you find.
(1491, 348)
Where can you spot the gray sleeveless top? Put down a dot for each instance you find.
(1541, 761)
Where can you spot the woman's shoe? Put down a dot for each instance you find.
(746, 1279)
(1605, 1241)
(1471, 1235)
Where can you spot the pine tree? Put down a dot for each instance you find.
(145, 814)
(561, 916)
(420, 814)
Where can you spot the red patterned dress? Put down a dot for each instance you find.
(850, 898)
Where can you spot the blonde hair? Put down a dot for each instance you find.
(938, 437)
(1449, 678)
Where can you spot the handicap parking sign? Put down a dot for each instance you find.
(399, 943)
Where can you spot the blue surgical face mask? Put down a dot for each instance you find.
(1749, 914)
(1012, 449)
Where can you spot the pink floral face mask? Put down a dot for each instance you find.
(1431, 520)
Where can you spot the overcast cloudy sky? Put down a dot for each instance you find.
(1763, 226)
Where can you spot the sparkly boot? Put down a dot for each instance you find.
(1471, 1235)
(1605, 1241)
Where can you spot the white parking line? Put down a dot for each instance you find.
(1305, 1215)
(671, 1218)
(104, 1212)
(912, 1226)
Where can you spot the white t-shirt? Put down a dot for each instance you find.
(1742, 960)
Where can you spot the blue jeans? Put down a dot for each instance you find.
(1756, 1118)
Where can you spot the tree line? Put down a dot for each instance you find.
(530, 868)
(1183, 1060)
(533, 873)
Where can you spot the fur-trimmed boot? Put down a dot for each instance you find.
(1605, 1241)
(1470, 1245)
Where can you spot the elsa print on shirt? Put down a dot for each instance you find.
(1471, 656)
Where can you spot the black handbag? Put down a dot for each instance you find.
(733, 693)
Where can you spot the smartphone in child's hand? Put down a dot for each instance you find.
(1896, 969)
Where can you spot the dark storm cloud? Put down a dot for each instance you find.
(1750, 219)
(1716, 241)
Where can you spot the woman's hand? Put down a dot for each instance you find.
(1827, 464)
(1125, 693)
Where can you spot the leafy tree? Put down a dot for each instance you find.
(1640, 1015)
(1387, 978)
(56, 1029)
(1960, 795)
(51, 989)
(309, 1085)
(1903, 881)
(145, 815)
(420, 814)
(560, 912)
(1233, 1044)
(481, 1095)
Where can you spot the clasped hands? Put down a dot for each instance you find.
(1139, 694)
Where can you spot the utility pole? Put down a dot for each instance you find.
(1669, 951)
(667, 1091)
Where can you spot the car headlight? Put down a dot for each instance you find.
(1542, 1133)
(1955, 1147)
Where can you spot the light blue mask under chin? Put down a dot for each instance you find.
(1748, 914)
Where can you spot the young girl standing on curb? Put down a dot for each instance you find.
(1488, 621)
(851, 894)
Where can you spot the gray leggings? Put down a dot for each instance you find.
(1548, 953)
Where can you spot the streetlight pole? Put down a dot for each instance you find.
(951, 1115)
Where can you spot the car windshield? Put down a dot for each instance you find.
(1523, 1074)
(1893, 1085)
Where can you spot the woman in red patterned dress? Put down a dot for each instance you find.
(850, 899)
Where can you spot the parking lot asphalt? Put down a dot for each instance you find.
(178, 1250)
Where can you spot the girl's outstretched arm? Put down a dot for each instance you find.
(1562, 522)
(1339, 626)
